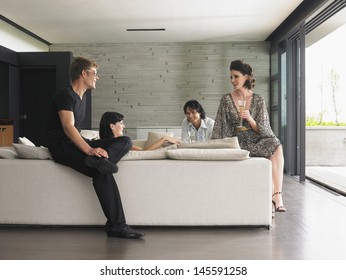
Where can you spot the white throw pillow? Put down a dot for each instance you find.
(208, 154)
(160, 153)
(8, 153)
(230, 143)
(155, 136)
(90, 134)
(25, 141)
(30, 152)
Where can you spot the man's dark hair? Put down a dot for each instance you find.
(195, 105)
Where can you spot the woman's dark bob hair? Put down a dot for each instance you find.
(106, 119)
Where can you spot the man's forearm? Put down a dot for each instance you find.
(77, 139)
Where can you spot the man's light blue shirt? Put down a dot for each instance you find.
(202, 134)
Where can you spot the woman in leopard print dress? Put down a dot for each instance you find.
(256, 135)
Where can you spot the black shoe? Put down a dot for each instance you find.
(103, 165)
(126, 232)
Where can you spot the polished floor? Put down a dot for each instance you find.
(314, 228)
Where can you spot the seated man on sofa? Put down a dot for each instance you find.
(96, 159)
(196, 126)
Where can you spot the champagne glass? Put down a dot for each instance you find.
(241, 104)
(191, 136)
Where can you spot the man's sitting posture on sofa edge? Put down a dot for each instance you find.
(96, 159)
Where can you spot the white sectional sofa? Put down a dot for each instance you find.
(155, 192)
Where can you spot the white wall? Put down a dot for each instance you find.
(150, 83)
(325, 146)
(16, 40)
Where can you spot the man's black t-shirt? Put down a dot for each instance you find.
(65, 99)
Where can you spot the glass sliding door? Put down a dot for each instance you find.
(326, 102)
(288, 81)
(278, 97)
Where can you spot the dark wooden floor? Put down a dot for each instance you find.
(314, 228)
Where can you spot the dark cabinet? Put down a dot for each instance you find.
(9, 88)
(41, 76)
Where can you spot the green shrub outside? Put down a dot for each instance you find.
(313, 122)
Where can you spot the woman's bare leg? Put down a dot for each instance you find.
(277, 160)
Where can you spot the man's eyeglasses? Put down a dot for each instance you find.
(92, 71)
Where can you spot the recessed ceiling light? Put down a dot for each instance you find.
(146, 29)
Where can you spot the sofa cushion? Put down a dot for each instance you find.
(230, 143)
(155, 136)
(160, 153)
(31, 152)
(7, 153)
(208, 154)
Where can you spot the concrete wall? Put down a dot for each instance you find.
(326, 146)
(150, 83)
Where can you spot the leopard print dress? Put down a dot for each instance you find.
(262, 144)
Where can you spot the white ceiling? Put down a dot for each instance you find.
(106, 21)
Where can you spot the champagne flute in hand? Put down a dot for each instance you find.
(241, 104)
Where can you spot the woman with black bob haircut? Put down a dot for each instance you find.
(106, 119)
(112, 126)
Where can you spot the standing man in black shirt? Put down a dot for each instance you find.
(96, 159)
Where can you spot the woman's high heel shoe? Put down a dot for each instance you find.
(279, 208)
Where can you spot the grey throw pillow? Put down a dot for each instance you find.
(31, 152)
